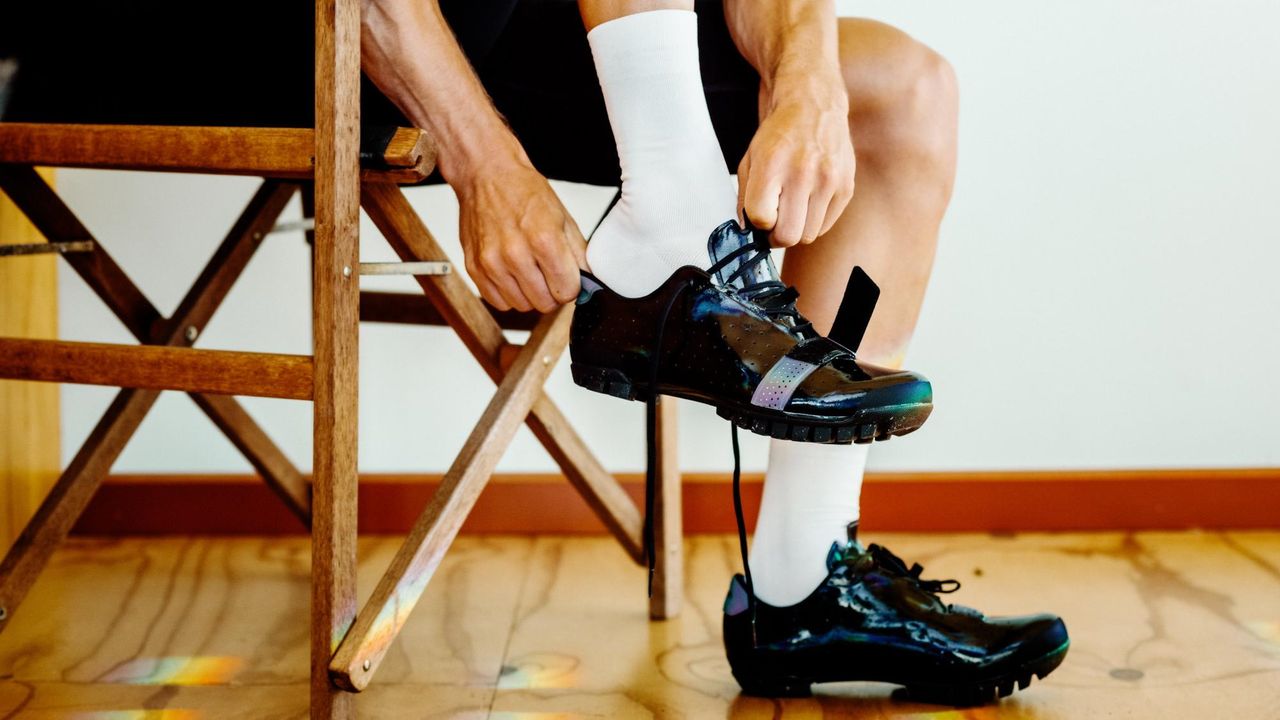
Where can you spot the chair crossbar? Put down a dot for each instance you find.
(221, 372)
(407, 155)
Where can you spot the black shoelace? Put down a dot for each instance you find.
(886, 560)
(777, 300)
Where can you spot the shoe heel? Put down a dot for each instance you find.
(603, 380)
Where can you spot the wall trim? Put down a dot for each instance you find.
(239, 504)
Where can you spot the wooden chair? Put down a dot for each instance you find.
(339, 175)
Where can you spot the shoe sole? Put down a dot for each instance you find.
(870, 424)
(965, 694)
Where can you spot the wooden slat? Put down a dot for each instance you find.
(400, 588)
(415, 309)
(668, 527)
(335, 333)
(223, 372)
(79, 481)
(283, 153)
(480, 333)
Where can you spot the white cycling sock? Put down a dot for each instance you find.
(676, 187)
(811, 495)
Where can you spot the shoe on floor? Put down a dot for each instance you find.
(875, 619)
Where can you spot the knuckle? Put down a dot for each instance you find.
(490, 259)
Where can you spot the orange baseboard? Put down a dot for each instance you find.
(546, 503)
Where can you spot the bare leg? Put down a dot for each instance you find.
(903, 116)
(595, 12)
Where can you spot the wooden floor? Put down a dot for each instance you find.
(1180, 625)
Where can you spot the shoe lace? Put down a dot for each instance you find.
(894, 565)
(651, 473)
(776, 299)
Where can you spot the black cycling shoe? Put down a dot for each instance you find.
(730, 337)
(875, 619)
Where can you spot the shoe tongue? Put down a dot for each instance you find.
(723, 241)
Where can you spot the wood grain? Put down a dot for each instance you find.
(283, 153)
(29, 419)
(400, 589)
(101, 273)
(182, 628)
(335, 336)
(668, 517)
(222, 372)
(71, 493)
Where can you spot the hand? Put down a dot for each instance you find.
(797, 175)
(521, 247)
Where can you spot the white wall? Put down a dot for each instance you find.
(1105, 294)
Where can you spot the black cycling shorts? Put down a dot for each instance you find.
(250, 63)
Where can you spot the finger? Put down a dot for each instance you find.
(531, 281)
(511, 292)
(577, 244)
(839, 204)
(815, 216)
(563, 269)
(793, 206)
(760, 199)
(490, 293)
(744, 173)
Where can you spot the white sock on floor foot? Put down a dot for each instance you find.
(676, 187)
(811, 494)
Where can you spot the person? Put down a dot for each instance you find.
(842, 133)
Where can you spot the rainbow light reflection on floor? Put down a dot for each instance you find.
(176, 670)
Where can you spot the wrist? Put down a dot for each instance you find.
(473, 156)
(816, 85)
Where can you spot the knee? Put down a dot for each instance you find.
(903, 100)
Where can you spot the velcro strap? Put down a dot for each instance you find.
(784, 378)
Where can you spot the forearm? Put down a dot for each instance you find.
(793, 44)
(410, 53)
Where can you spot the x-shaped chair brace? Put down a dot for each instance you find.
(519, 398)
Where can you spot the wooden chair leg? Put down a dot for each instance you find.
(69, 496)
(400, 588)
(335, 331)
(668, 581)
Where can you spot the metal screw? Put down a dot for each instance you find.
(546, 359)
(367, 665)
(257, 236)
(346, 271)
(192, 333)
(4, 612)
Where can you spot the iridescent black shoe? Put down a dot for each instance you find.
(875, 619)
(730, 337)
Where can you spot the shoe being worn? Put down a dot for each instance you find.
(730, 337)
(875, 619)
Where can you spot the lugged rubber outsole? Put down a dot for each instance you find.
(879, 423)
(953, 694)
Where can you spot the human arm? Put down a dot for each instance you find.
(797, 175)
(521, 247)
